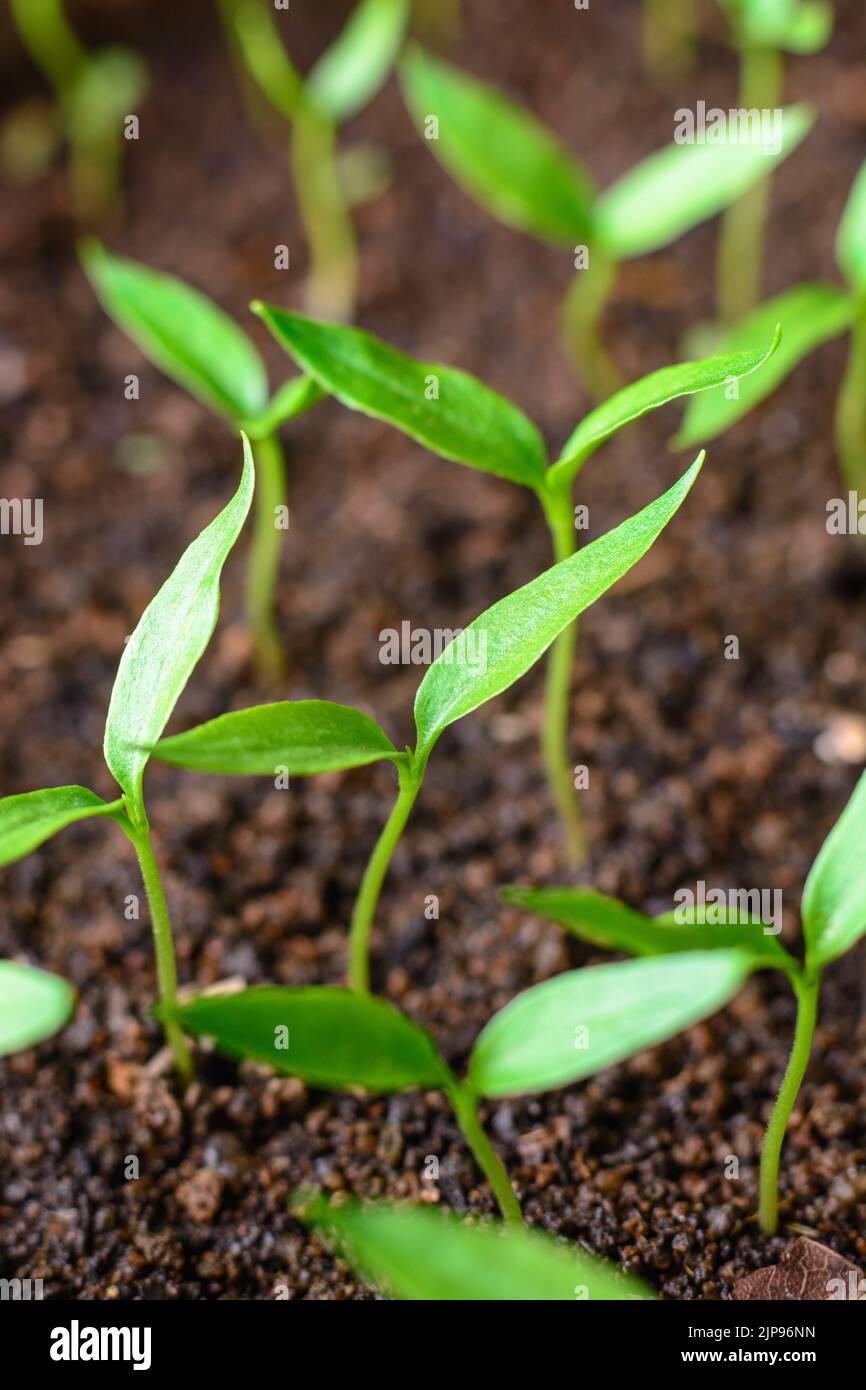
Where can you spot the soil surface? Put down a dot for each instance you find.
(700, 767)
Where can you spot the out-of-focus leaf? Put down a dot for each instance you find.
(851, 237)
(33, 1005)
(834, 898)
(353, 69)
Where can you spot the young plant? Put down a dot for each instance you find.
(33, 1005)
(812, 313)
(158, 660)
(763, 30)
(423, 1254)
(311, 736)
(95, 92)
(520, 172)
(833, 913)
(346, 77)
(195, 343)
(459, 418)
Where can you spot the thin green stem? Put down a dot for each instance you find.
(807, 987)
(264, 562)
(851, 412)
(367, 900)
(331, 238)
(581, 316)
(465, 1104)
(669, 34)
(741, 236)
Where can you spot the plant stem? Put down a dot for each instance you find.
(669, 28)
(581, 315)
(366, 902)
(264, 562)
(166, 969)
(330, 236)
(465, 1104)
(807, 988)
(851, 411)
(741, 236)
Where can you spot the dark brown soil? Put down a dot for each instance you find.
(701, 767)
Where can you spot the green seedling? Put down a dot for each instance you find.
(95, 92)
(312, 736)
(813, 313)
(346, 77)
(431, 1256)
(461, 419)
(33, 1005)
(337, 1039)
(158, 660)
(520, 172)
(195, 343)
(833, 913)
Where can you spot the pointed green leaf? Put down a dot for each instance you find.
(430, 1256)
(305, 736)
(579, 1023)
(33, 817)
(500, 154)
(294, 398)
(684, 379)
(182, 331)
(329, 1037)
(33, 1005)
(834, 898)
(499, 646)
(168, 642)
(351, 71)
(447, 410)
(851, 237)
(681, 185)
(809, 315)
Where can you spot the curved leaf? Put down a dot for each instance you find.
(294, 398)
(834, 898)
(33, 817)
(33, 1005)
(353, 69)
(517, 630)
(500, 154)
(427, 1255)
(809, 315)
(329, 1037)
(182, 331)
(305, 736)
(445, 409)
(168, 642)
(579, 1023)
(851, 237)
(681, 185)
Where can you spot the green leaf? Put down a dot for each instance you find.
(809, 315)
(604, 921)
(499, 646)
(33, 817)
(432, 1256)
(105, 89)
(851, 237)
(795, 26)
(466, 421)
(258, 37)
(305, 736)
(579, 1023)
(182, 331)
(329, 1037)
(834, 898)
(33, 1005)
(357, 63)
(294, 398)
(684, 379)
(681, 185)
(168, 642)
(500, 154)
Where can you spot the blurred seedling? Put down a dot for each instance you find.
(158, 660)
(833, 914)
(460, 418)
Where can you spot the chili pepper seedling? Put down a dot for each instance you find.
(201, 348)
(521, 173)
(158, 660)
(461, 419)
(311, 736)
(95, 93)
(833, 913)
(345, 78)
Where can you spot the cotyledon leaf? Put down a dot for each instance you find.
(352, 70)
(27, 820)
(834, 898)
(33, 1005)
(851, 237)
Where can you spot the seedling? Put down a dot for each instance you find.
(521, 173)
(195, 343)
(343, 81)
(459, 418)
(812, 313)
(157, 662)
(833, 913)
(310, 736)
(95, 92)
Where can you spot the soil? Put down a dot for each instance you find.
(700, 767)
